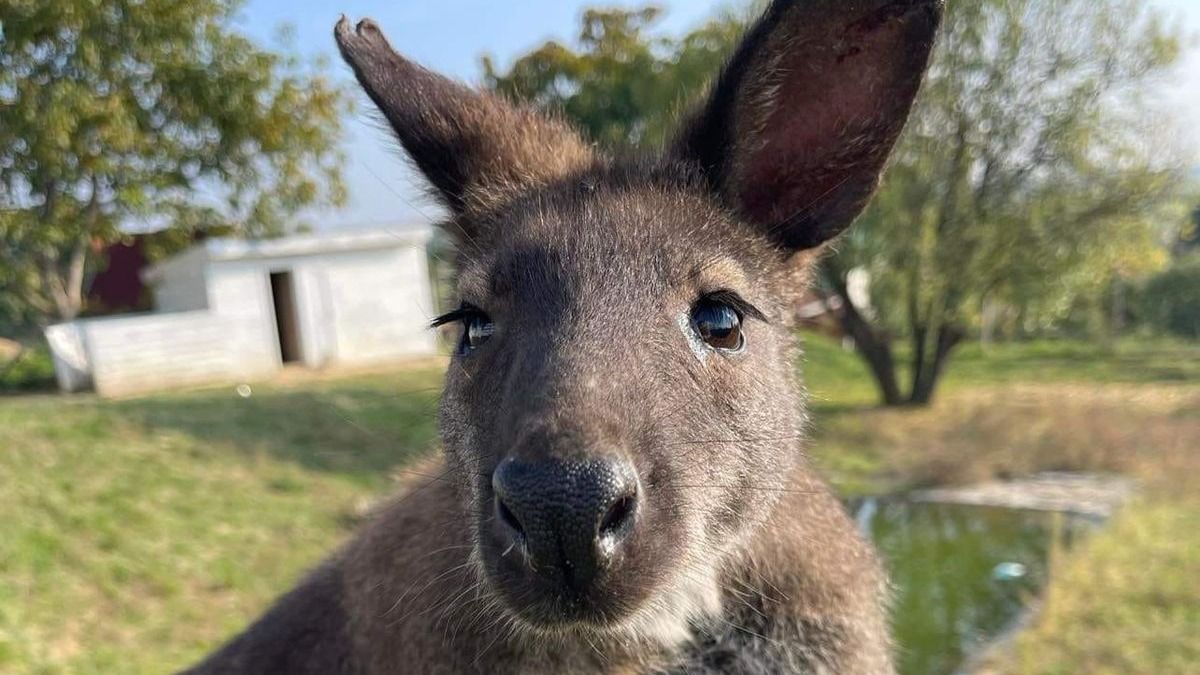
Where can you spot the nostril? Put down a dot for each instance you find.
(570, 519)
(508, 517)
(619, 514)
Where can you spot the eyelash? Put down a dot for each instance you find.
(737, 302)
(465, 311)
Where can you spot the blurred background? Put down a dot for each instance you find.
(216, 273)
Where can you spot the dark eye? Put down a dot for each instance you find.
(718, 324)
(477, 328)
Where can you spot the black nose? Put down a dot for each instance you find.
(572, 517)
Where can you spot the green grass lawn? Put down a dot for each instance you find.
(138, 533)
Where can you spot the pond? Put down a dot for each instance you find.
(962, 573)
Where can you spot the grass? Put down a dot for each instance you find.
(27, 370)
(1011, 410)
(839, 379)
(1128, 600)
(138, 533)
(1128, 603)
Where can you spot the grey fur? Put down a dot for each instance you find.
(741, 559)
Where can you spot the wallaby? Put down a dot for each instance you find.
(624, 487)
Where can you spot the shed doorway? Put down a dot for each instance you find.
(283, 298)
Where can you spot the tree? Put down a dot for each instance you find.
(150, 112)
(1187, 239)
(624, 86)
(1171, 299)
(1027, 176)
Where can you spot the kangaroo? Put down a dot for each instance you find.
(623, 486)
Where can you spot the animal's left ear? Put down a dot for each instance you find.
(796, 131)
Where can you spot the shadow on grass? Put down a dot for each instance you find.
(361, 430)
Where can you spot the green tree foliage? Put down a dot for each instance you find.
(1187, 240)
(624, 85)
(1170, 300)
(150, 112)
(1028, 177)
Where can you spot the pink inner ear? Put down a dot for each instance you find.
(842, 90)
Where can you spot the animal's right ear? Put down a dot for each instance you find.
(474, 148)
(797, 129)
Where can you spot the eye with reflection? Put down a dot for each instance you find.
(477, 327)
(476, 331)
(719, 324)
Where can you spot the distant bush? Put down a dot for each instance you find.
(28, 370)
(1170, 301)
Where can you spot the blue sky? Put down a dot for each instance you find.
(450, 35)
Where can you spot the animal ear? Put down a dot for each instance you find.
(796, 131)
(473, 147)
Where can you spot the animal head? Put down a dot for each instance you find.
(621, 410)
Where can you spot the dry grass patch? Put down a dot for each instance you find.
(1147, 431)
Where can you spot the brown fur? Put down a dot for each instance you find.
(738, 558)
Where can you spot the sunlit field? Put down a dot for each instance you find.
(139, 533)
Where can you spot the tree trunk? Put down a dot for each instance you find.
(1117, 319)
(927, 369)
(871, 344)
(918, 369)
(989, 318)
(65, 286)
(76, 266)
(876, 350)
(64, 279)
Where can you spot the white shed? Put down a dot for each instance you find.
(232, 310)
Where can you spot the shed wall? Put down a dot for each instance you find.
(382, 305)
(156, 351)
(182, 287)
(352, 307)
